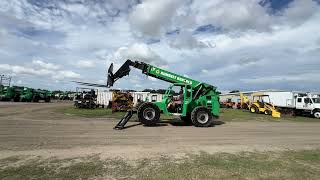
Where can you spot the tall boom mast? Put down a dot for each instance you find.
(153, 72)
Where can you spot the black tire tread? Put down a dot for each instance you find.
(194, 117)
(148, 122)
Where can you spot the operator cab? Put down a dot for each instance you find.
(177, 94)
(261, 99)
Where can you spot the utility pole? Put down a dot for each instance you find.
(5, 80)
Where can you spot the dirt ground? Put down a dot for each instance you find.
(37, 129)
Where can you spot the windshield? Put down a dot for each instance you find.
(316, 100)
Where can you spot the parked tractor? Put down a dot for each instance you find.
(197, 102)
(228, 104)
(35, 95)
(261, 104)
(243, 102)
(10, 93)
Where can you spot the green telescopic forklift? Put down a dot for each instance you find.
(11, 93)
(197, 103)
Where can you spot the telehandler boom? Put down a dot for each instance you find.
(198, 102)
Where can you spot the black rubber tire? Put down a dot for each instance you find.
(196, 121)
(16, 98)
(267, 112)
(48, 99)
(154, 116)
(316, 114)
(256, 110)
(35, 99)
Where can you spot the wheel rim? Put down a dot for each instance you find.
(149, 114)
(266, 113)
(253, 110)
(317, 115)
(203, 117)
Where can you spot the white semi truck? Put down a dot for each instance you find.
(296, 102)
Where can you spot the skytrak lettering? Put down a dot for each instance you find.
(175, 77)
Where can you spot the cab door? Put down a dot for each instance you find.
(304, 103)
(187, 98)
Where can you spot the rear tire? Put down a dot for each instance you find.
(35, 99)
(201, 117)
(149, 114)
(254, 109)
(16, 98)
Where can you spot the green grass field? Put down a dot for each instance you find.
(244, 115)
(226, 115)
(245, 165)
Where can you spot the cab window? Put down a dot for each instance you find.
(299, 100)
(307, 100)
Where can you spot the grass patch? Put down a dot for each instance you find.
(245, 165)
(244, 115)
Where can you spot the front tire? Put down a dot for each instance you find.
(267, 112)
(149, 114)
(201, 117)
(317, 114)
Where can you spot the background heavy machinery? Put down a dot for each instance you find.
(197, 103)
(261, 104)
(85, 98)
(35, 95)
(121, 101)
(243, 102)
(1, 89)
(11, 93)
(227, 104)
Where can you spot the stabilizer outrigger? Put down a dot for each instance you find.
(125, 119)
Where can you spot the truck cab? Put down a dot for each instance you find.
(309, 103)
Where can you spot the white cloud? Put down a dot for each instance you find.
(251, 41)
(21, 70)
(312, 77)
(60, 75)
(152, 16)
(46, 65)
(236, 15)
(185, 40)
(85, 64)
(300, 10)
(137, 52)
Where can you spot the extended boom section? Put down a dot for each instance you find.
(197, 102)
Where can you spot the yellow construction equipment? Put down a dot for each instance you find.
(121, 101)
(261, 104)
(244, 102)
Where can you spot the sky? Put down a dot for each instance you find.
(231, 44)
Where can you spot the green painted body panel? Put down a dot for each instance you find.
(10, 92)
(210, 99)
(27, 94)
(172, 77)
